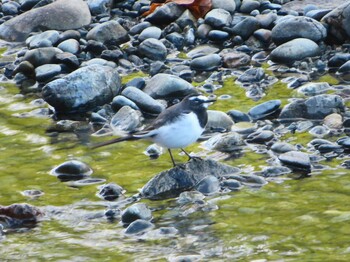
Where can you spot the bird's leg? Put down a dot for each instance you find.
(171, 155)
(189, 156)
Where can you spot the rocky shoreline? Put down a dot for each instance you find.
(78, 66)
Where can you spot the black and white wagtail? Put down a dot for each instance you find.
(176, 127)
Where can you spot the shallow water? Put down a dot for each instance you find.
(287, 219)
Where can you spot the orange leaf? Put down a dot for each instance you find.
(152, 7)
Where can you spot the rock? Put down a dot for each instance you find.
(186, 20)
(294, 27)
(316, 107)
(139, 226)
(83, 89)
(144, 101)
(135, 212)
(246, 27)
(266, 20)
(165, 14)
(68, 59)
(110, 191)
(120, 101)
(10, 8)
(32, 194)
(206, 63)
(218, 18)
(42, 56)
(109, 33)
(218, 36)
(202, 50)
(282, 147)
(338, 22)
(176, 39)
(71, 46)
(228, 142)
(64, 15)
(344, 142)
(71, 170)
(190, 197)
(265, 109)
(19, 215)
(208, 185)
(260, 136)
(252, 75)
(126, 119)
(46, 72)
(296, 160)
(275, 171)
(228, 5)
(249, 5)
(153, 49)
(172, 182)
(319, 131)
(338, 59)
(238, 116)
(333, 121)
(167, 86)
(150, 32)
(317, 14)
(235, 59)
(98, 7)
(218, 120)
(50, 36)
(312, 89)
(294, 50)
(232, 184)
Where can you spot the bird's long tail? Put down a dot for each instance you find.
(115, 140)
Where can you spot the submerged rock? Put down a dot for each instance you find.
(296, 160)
(19, 215)
(172, 182)
(71, 170)
(135, 212)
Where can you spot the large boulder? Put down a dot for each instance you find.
(338, 21)
(60, 15)
(83, 89)
(172, 182)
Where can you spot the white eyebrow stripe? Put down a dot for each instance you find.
(200, 97)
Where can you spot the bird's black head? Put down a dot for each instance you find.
(197, 101)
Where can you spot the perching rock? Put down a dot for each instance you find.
(64, 15)
(172, 182)
(83, 89)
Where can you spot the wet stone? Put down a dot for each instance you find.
(120, 101)
(228, 142)
(296, 160)
(206, 63)
(344, 142)
(218, 120)
(232, 184)
(32, 193)
(86, 182)
(126, 119)
(110, 191)
(135, 212)
(235, 59)
(319, 131)
(260, 137)
(46, 72)
(252, 75)
(150, 32)
(238, 116)
(275, 171)
(218, 18)
(249, 5)
(265, 109)
(282, 147)
(71, 170)
(153, 49)
(208, 185)
(190, 197)
(311, 89)
(139, 226)
(246, 28)
(71, 46)
(218, 35)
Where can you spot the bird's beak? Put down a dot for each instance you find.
(208, 102)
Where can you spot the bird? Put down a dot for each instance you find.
(176, 127)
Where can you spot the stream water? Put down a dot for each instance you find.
(286, 220)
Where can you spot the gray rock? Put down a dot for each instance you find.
(296, 160)
(64, 15)
(218, 120)
(282, 147)
(202, 50)
(110, 191)
(135, 212)
(72, 170)
(338, 21)
(176, 39)
(228, 5)
(150, 32)
(67, 59)
(190, 197)
(50, 36)
(120, 101)
(203, 31)
(206, 63)
(316, 107)
(312, 89)
(46, 72)
(298, 27)
(235, 59)
(208, 185)
(249, 5)
(295, 50)
(83, 89)
(333, 121)
(110, 32)
(99, 61)
(41, 56)
(238, 116)
(153, 49)
(319, 131)
(10, 8)
(218, 18)
(260, 137)
(246, 27)
(144, 101)
(139, 226)
(187, 19)
(252, 75)
(265, 109)
(275, 171)
(232, 184)
(266, 20)
(71, 46)
(344, 142)
(165, 14)
(218, 36)
(166, 86)
(139, 27)
(318, 14)
(338, 59)
(228, 142)
(172, 182)
(98, 7)
(126, 119)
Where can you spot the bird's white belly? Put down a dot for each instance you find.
(180, 134)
